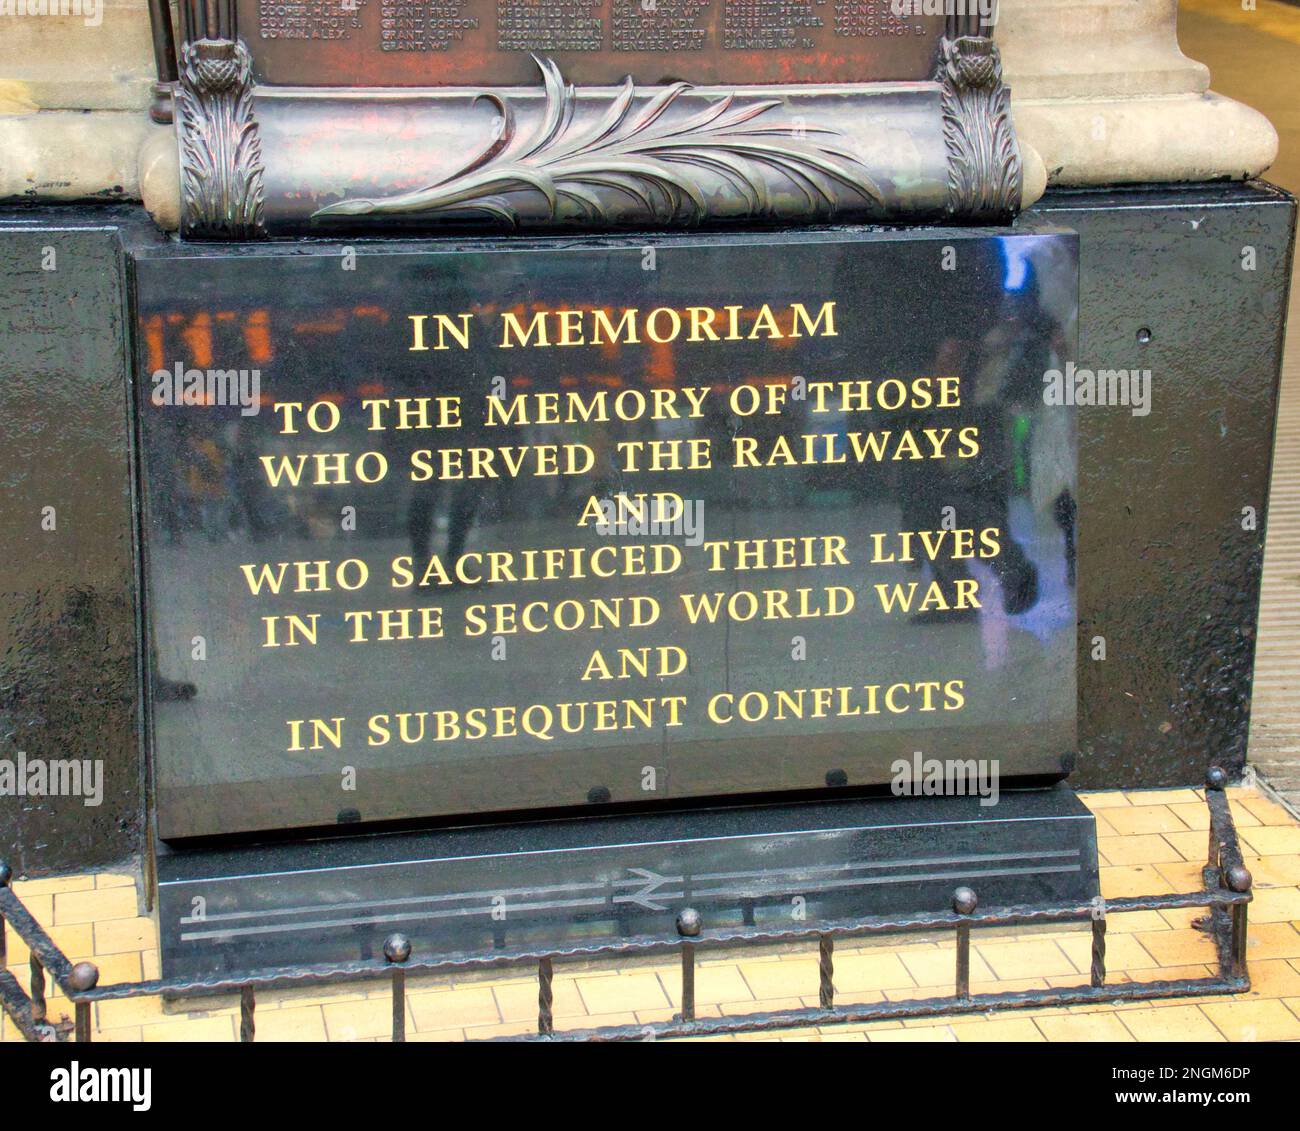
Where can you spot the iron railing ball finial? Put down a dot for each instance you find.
(689, 923)
(83, 976)
(397, 948)
(1216, 777)
(6, 874)
(964, 901)
(1239, 878)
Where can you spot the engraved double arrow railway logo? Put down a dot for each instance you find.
(637, 887)
(650, 884)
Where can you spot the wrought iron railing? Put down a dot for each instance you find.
(1225, 892)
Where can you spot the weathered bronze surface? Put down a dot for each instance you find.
(298, 123)
(221, 152)
(644, 160)
(488, 42)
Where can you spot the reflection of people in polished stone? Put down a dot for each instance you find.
(260, 513)
(998, 363)
(210, 487)
(465, 376)
(419, 519)
(465, 497)
(166, 499)
(981, 493)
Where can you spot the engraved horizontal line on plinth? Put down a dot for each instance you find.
(461, 913)
(774, 887)
(583, 885)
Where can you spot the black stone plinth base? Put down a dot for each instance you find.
(558, 883)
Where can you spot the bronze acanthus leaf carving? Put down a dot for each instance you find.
(221, 154)
(984, 170)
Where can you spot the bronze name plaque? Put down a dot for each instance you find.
(327, 117)
(423, 43)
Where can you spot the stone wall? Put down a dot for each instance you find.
(74, 93)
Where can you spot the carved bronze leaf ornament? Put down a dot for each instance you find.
(984, 169)
(661, 156)
(221, 153)
(651, 154)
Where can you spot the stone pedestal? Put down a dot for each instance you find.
(1102, 92)
(74, 97)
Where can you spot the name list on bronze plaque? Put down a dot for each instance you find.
(489, 42)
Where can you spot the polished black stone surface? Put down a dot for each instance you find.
(69, 687)
(551, 884)
(984, 669)
(1168, 581)
(1169, 562)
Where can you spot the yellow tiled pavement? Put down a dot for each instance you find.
(1151, 841)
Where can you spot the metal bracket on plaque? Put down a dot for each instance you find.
(277, 159)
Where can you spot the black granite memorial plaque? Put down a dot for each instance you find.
(441, 530)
